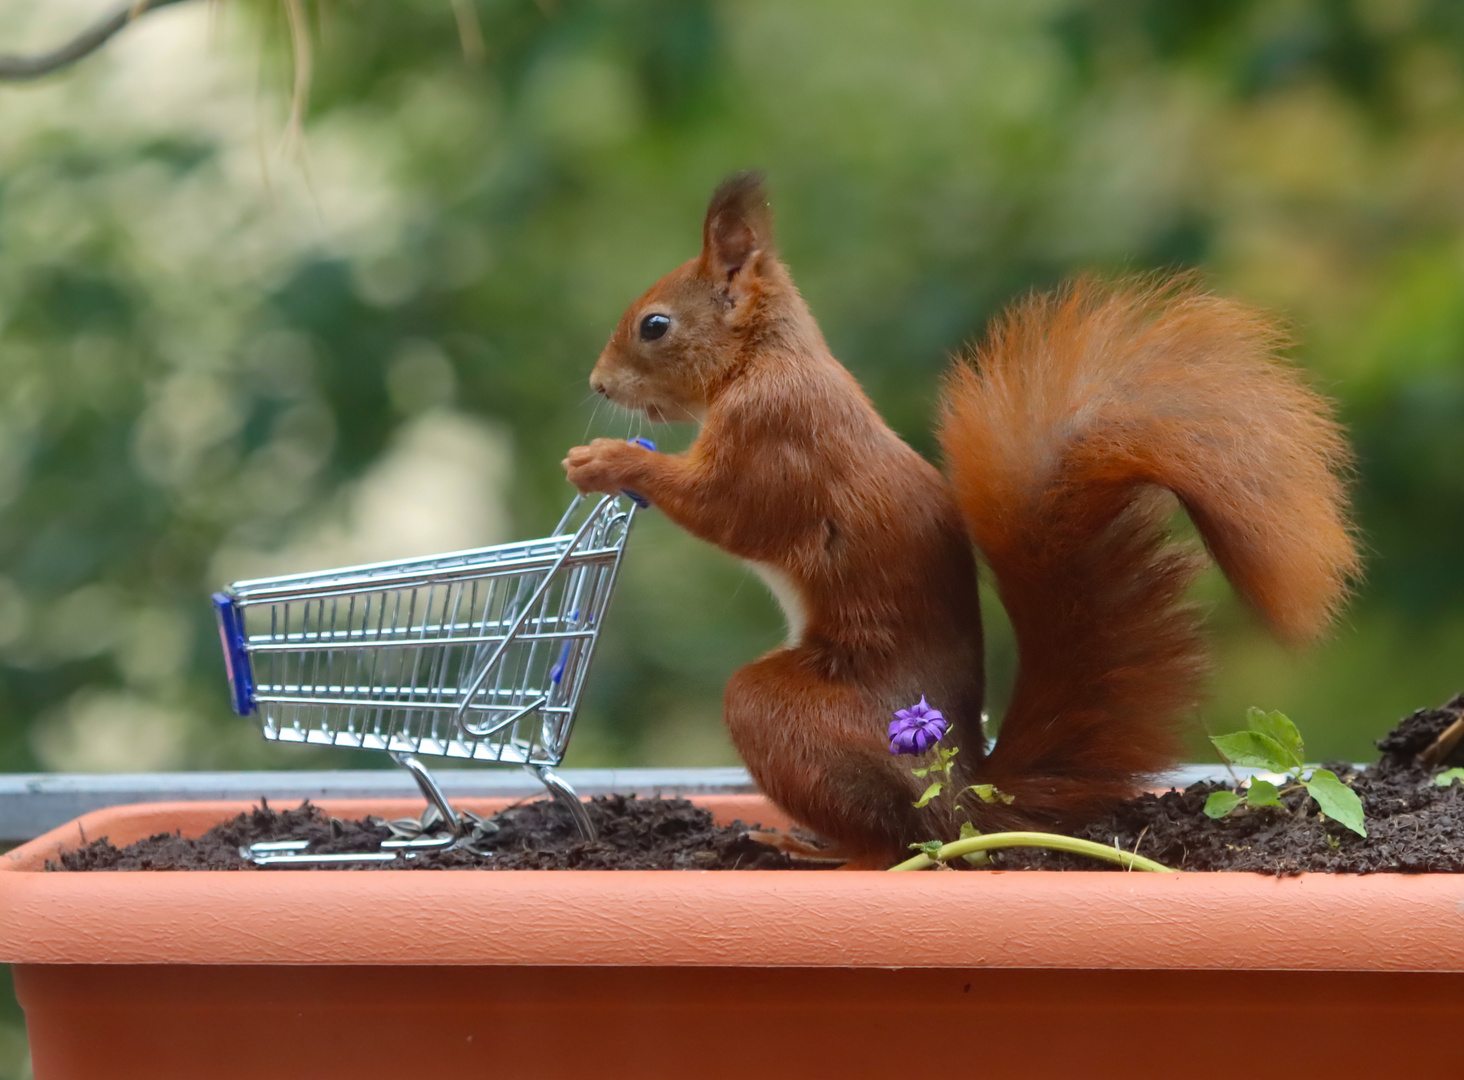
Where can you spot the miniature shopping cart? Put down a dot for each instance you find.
(477, 654)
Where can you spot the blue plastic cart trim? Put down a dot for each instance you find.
(639, 500)
(236, 658)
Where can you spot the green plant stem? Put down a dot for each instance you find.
(1051, 841)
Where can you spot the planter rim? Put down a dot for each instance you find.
(1013, 919)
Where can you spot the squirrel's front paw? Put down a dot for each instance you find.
(605, 465)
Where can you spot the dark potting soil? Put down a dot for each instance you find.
(1413, 825)
(634, 834)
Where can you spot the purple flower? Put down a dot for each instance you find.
(916, 729)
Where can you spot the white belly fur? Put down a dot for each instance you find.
(786, 593)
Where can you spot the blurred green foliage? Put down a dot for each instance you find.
(220, 354)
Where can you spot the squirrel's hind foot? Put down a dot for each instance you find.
(804, 847)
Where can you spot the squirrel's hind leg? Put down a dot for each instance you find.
(819, 749)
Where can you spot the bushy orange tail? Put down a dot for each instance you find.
(1059, 436)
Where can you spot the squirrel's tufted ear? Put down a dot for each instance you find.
(739, 226)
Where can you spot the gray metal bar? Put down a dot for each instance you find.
(373, 703)
(356, 639)
(265, 590)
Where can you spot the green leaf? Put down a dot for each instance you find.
(1221, 803)
(1278, 726)
(928, 847)
(990, 793)
(931, 792)
(1255, 750)
(922, 772)
(1262, 793)
(975, 858)
(1338, 801)
(1444, 779)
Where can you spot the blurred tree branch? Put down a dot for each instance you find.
(22, 68)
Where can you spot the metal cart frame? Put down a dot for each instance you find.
(477, 654)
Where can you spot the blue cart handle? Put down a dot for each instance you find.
(236, 654)
(639, 500)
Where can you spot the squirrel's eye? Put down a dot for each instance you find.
(654, 326)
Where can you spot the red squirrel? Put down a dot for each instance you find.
(1063, 435)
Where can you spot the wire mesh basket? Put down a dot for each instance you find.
(476, 654)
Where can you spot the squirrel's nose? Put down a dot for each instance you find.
(597, 386)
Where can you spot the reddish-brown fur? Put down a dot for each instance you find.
(1077, 412)
(1059, 436)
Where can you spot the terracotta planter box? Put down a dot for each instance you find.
(543, 974)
